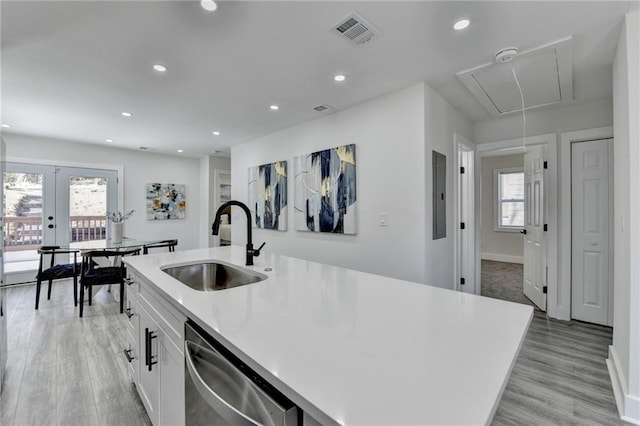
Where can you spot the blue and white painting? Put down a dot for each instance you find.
(325, 191)
(268, 196)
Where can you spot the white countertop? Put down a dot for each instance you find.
(357, 348)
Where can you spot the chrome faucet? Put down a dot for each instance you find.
(215, 228)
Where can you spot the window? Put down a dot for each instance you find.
(510, 198)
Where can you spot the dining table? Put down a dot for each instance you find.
(108, 244)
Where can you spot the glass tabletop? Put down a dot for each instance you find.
(107, 244)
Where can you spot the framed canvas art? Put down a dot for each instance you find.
(325, 191)
(268, 196)
(165, 201)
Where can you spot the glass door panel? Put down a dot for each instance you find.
(28, 204)
(87, 208)
(85, 196)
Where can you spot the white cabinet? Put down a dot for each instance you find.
(155, 353)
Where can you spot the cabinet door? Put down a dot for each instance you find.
(148, 386)
(172, 397)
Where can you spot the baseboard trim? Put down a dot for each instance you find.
(628, 406)
(497, 257)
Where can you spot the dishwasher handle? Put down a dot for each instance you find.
(215, 401)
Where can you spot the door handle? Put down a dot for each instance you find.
(523, 231)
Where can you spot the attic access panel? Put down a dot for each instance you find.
(545, 75)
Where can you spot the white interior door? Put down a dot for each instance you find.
(590, 205)
(535, 244)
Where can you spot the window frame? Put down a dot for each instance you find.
(498, 201)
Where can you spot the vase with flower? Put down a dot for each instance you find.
(117, 224)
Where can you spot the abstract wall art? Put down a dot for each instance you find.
(325, 191)
(268, 195)
(165, 201)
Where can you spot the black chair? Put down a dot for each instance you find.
(171, 244)
(57, 272)
(93, 274)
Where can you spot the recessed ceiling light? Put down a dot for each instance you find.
(340, 77)
(208, 5)
(108, 140)
(126, 114)
(6, 126)
(159, 68)
(461, 24)
(180, 150)
(216, 133)
(274, 107)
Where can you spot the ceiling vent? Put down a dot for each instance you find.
(324, 108)
(356, 29)
(545, 75)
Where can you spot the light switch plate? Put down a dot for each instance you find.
(383, 219)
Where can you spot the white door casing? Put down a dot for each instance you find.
(466, 213)
(465, 268)
(535, 245)
(590, 207)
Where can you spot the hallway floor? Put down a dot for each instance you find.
(560, 377)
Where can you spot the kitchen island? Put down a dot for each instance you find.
(352, 348)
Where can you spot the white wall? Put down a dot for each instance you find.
(584, 115)
(391, 148)
(139, 169)
(440, 124)
(498, 245)
(624, 356)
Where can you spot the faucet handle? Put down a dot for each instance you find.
(256, 252)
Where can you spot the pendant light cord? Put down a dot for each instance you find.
(524, 117)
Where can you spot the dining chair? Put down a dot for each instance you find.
(93, 273)
(56, 271)
(171, 244)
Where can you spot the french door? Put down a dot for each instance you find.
(51, 205)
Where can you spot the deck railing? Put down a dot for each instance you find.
(25, 232)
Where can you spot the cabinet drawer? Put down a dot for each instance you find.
(132, 358)
(170, 320)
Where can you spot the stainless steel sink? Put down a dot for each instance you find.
(212, 276)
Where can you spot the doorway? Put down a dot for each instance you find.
(50, 205)
(541, 264)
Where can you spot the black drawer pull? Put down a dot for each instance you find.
(127, 353)
(149, 358)
(128, 312)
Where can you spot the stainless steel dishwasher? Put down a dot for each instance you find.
(220, 389)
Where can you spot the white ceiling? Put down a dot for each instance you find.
(70, 68)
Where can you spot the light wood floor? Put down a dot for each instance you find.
(64, 370)
(560, 377)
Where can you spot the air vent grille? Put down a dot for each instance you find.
(324, 108)
(356, 29)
